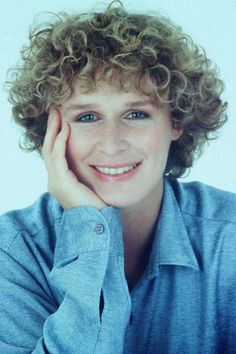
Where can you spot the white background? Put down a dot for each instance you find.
(210, 22)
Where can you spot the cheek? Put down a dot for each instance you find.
(154, 141)
(78, 145)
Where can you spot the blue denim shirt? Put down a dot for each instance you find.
(56, 266)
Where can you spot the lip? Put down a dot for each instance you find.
(126, 176)
(119, 164)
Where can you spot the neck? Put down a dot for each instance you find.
(141, 218)
(138, 225)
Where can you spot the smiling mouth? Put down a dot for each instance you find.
(111, 171)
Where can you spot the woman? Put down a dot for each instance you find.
(118, 257)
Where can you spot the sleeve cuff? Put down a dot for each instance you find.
(85, 229)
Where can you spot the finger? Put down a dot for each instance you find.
(59, 148)
(59, 166)
(53, 127)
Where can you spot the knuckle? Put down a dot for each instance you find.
(56, 154)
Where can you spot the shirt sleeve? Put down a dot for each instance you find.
(93, 303)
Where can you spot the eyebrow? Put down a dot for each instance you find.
(81, 106)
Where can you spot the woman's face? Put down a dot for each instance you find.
(119, 143)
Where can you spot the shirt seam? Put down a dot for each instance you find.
(19, 232)
(9, 247)
(206, 218)
(32, 274)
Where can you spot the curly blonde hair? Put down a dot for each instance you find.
(94, 47)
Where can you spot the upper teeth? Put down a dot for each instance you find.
(115, 171)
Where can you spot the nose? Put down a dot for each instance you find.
(113, 138)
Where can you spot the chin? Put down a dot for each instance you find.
(121, 201)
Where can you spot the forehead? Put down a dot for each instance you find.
(121, 85)
(105, 93)
(117, 79)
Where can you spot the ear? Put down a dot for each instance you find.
(176, 133)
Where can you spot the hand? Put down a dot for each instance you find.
(62, 182)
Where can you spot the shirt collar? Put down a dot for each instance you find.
(171, 245)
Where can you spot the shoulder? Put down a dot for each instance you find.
(203, 201)
(209, 218)
(31, 220)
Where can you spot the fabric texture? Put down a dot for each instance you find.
(63, 287)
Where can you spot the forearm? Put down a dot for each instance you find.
(88, 261)
(75, 326)
(80, 263)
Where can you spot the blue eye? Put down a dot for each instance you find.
(87, 118)
(137, 115)
(91, 117)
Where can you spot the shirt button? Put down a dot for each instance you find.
(99, 229)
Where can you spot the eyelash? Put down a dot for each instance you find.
(144, 116)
